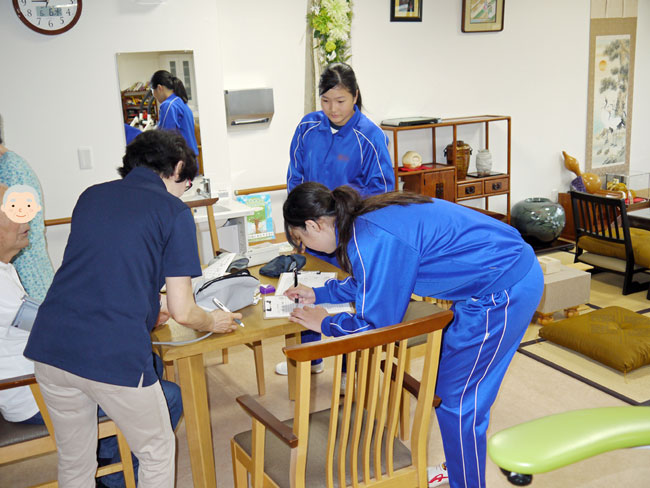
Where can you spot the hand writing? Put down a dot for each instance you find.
(304, 294)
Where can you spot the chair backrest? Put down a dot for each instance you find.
(603, 218)
(22, 441)
(363, 422)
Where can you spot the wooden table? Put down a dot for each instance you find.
(191, 373)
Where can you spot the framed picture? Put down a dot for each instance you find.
(406, 10)
(482, 15)
(611, 86)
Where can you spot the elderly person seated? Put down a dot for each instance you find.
(18, 404)
(32, 262)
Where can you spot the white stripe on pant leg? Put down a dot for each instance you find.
(460, 412)
(496, 351)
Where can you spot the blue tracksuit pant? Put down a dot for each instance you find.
(477, 348)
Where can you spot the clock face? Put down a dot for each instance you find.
(48, 16)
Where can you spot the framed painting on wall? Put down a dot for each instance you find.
(406, 10)
(609, 114)
(482, 15)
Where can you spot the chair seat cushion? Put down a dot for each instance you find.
(614, 336)
(640, 246)
(14, 432)
(277, 455)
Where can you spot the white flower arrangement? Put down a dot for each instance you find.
(331, 21)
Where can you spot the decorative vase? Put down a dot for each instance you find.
(483, 162)
(538, 218)
(463, 152)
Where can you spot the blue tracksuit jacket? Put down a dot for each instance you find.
(356, 155)
(442, 250)
(447, 251)
(174, 114)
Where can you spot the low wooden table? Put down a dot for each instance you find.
(191, 372)
(639, 218)
(565, 289)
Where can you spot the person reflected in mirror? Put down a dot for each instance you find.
(173, 111)
(398, 244)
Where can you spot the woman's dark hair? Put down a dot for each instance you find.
(165, 78)
(311, 201)
(339, 74)
(160, 150)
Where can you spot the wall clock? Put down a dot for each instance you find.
(49, 17)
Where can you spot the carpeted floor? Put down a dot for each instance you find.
(529, 390)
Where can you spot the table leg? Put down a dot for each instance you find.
(259, 367)
(191, 377)
(291, 340)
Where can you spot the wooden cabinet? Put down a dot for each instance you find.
(440, 180)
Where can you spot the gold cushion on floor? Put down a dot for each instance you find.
(640, 245)
(614, 336)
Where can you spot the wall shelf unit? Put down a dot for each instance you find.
(440, 180)
(132, 103)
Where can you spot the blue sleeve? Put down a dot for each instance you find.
(180, 256)
(385, 270)
(380, 175)
(337, 291)
(295, 172)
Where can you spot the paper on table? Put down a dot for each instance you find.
(312, 279)
(277, 306)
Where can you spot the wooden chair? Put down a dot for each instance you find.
(355, 439)
(605, 240)
(417, 347)
(22, 441)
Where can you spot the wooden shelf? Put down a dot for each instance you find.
(440, 180)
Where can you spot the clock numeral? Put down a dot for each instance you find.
(50, 23)
(62, 21)
(23, 2)
(69, 13)
(39, 21)
(29, 12)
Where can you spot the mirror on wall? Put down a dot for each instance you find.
(140, 109)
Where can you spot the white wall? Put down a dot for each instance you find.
(60, 93)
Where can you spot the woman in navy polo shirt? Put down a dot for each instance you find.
(91, 339)
(174, 113)
(399, 244)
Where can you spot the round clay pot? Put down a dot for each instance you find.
(538, 218)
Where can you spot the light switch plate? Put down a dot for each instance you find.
(85, 157)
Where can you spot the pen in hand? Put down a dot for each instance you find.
(225, 309)
(295, 284)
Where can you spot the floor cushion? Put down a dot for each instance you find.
(614, 336)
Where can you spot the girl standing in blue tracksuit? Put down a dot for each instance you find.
(339, 145)
(173, 112)
(397, 244)
(336, 146)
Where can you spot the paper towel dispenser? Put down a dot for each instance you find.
(249, 107)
